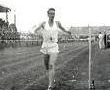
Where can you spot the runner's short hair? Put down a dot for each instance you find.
(50, 9)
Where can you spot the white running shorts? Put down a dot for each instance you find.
(48, 48)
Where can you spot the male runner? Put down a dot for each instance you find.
(50, 47)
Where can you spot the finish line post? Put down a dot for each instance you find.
(89, 57)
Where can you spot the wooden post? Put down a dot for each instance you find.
(14, 18)
(7, 15)
(89, 57)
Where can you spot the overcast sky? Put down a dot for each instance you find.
(69, 12)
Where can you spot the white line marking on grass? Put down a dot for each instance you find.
(40, 55)
(12, 64)
(61, 54)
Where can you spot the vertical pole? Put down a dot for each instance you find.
(14, 18)
(6, 16)
(105, 35)
(89, 57)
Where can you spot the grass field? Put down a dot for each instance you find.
(22, 68)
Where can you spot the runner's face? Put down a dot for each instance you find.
(51, 14)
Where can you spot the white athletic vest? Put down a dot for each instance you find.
(50, 34)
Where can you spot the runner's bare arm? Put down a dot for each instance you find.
(41, 26)
(62, 28)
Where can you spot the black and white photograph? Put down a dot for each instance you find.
(54, 45)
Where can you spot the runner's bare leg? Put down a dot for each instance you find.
(53, 58)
